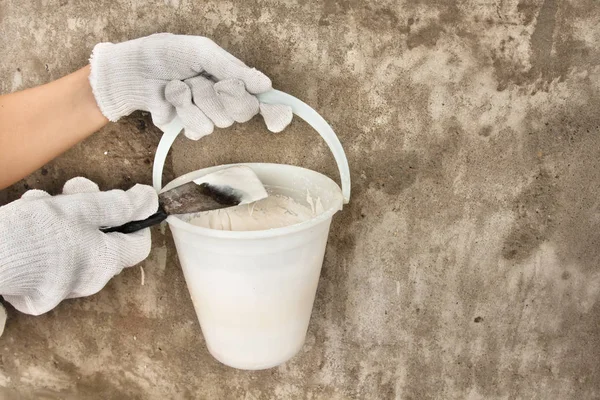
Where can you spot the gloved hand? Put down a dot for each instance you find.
(51, 248)
(190, 76)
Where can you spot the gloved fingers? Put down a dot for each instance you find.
(277, 116)
(196, 123)
(35, 194)
(125, 250)
(80, 185)
(36, 304)
(222, 65)
(22, 304)
(238, 103)
(161, 110)
(111, 208)
(206, 99)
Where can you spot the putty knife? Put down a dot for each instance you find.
(225, 188)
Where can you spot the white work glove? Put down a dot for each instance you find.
(51, 248)
(188, 76)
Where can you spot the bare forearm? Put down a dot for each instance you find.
(38, 124)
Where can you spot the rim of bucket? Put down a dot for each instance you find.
(259, 234)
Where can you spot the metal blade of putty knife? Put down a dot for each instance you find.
(225, 188)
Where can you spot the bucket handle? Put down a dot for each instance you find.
(299, 108)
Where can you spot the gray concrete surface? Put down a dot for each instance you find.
(467, 264)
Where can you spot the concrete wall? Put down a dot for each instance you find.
(466, 265)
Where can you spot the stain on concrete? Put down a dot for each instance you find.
(555, 48)
(380, 19)
(535, 210)
(528, 10)
(486, 131)
(427, 37)
(542, 39)
(391, 178)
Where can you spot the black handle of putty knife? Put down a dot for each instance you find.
(135, 226)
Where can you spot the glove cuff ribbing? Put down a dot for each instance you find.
(117, 91)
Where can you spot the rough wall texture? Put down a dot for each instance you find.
(466, 265)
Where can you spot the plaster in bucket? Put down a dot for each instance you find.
(280, 209)
(253, 289)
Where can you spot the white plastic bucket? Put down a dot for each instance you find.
(253, 291)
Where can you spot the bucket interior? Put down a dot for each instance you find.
(301, 184)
